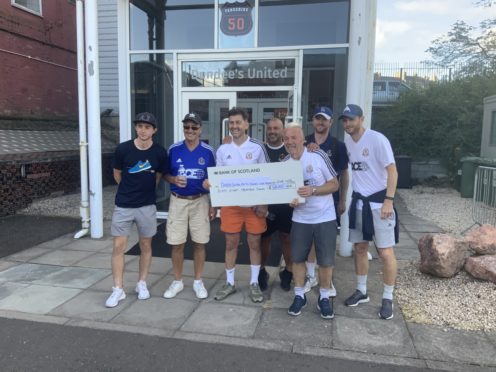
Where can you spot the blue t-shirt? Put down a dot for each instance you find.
(191, 164)
(139, 169)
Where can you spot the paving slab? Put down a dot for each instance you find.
(28, 272)
(73, 277)
(450, 345)
(90, 305)
(99, 260)
(4, 265)
(424, 228)
(28, 254)
(407, 254)
(457, 367)
(279, 298)
(276, 324)
(157, 313)
(61, 257)
(58, 242)
(88, 244)
(7, 288)
(37, 299)
(212, 270)
(223, 319)
(130, 280)
(373, 336)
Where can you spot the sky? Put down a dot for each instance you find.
(405, 28)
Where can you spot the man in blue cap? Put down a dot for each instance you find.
(372, 214)
(322, 139)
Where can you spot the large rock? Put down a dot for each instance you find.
(482, 240)
(442, 255)
(482, 267)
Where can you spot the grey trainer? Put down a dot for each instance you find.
(226, 290)
(255, 293)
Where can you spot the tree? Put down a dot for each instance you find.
(473, 47)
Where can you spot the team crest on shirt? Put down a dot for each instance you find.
(309, 169)
(365, 152)
(249, 156)
(281, 157)
(329, 153)
(201, 161)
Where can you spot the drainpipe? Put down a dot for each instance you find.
(93, 107)
(363, 14)
(84, 209)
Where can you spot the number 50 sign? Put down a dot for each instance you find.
(236, 18)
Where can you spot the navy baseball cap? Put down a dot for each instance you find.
(351, 111)
(145, 117)
(194, 117)
(323, 111)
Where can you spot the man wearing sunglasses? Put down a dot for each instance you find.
(189, 207)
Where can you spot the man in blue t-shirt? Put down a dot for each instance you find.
(336, 150)
(189, 206)
(138, 166)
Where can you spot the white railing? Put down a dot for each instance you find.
(484, 202)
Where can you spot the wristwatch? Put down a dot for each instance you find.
(314, 190)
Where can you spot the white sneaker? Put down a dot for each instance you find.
(142, 291)
(175, 287)
(200, 290)
(116, 296)
(310, 282)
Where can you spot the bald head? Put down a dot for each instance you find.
(275, 129)
(294, 140)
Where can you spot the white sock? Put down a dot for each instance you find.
(362, 283)
(332, 291)
(325, 293)
(255, 270)
(197, 281)
(310, 269)
(230, 275)
(299, 291)
(388, 292)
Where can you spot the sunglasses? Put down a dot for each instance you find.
(186, 127)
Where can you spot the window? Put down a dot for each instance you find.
(492, 138)
(33, 6)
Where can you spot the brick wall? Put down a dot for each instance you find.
(22, 181)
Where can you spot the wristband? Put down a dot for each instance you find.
(389, 197)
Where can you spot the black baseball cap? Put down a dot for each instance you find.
(145, 117)
(194, 117)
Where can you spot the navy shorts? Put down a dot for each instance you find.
(323, 234)
(279, 219)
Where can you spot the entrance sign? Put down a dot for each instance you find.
(239, 73)
(255, 184)
(236, 21)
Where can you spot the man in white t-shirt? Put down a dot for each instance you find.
(313, 221)
(242, 150)
(372, 215)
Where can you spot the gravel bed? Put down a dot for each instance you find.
(461, 302)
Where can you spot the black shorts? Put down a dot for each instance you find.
(279, 219)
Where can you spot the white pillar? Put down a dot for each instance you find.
(93, 110)
(363, 14)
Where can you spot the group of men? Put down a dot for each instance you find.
(307, 231)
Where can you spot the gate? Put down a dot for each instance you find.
(484, 201)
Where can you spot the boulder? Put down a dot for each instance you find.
(482, 240)
(482, 267)
(442, 255)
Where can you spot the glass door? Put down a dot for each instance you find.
(212, 108)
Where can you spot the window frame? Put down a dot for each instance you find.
(492, 129)
(20, 6)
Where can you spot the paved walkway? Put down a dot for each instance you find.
(66, 281)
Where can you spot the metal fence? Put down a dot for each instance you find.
(421, 74)
(484, 201)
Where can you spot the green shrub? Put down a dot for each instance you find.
(443, 121)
